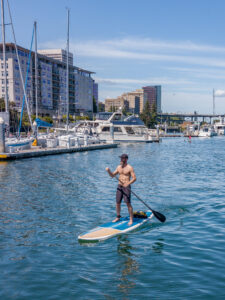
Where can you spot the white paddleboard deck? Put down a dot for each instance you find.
(111, 229)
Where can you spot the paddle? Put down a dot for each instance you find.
(157, 214)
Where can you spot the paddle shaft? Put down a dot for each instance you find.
(157, 214)
(136, 195)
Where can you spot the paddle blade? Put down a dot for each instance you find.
(159, 216)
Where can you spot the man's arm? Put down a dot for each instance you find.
(133, 177)
(112, 174)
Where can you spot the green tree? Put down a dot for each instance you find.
(101, 107)
(47, 119)
(124, 111)
(95, 108)
(112, 109)
(2, 104)
(149, 115)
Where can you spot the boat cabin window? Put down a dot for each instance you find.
(117, 117)
(129, 130)
(117, 129)
(106, 128)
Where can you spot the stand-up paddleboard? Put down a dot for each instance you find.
(111, 229)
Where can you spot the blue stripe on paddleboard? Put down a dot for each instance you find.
(123, 223)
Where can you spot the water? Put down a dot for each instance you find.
(46, 202)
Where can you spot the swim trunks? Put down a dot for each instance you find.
(123, 193)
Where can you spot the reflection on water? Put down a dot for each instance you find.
(157, 247)
(129, 266)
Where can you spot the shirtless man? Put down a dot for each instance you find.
(126, 177)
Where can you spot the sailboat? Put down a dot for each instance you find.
(13, 143)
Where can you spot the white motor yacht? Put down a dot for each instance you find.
(116, 127)
(220, 127)
(207, 131)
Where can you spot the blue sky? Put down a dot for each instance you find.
(129, 44)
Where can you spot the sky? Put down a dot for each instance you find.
(177, 44)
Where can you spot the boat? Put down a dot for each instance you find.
(111, 229)
(192, 130)
(13, 144)
(116, 127)
(220, 127)
(207, 131)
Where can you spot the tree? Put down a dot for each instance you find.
(149, 115)
(2, 104)
(101, 107)
(95, 108)
(124, 111)
(112, 109)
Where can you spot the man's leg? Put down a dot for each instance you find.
(119, 196)
(130, 210)
(117, 212)
(127, 200)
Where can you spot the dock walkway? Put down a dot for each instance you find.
(53, 151)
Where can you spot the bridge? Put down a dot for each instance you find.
(168, 117)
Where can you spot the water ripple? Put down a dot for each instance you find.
(46, 202)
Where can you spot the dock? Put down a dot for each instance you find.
(37, 152)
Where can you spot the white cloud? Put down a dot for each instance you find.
(145, 49)
(140, 82)
(187, 71)
(219, 93)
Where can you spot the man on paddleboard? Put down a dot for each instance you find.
(126, 178)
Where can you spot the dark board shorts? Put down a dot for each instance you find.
(123, 193)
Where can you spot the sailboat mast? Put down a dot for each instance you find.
(67, 70)
(4, 56)
(213, 102)
(36, 71)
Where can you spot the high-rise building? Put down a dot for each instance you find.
(52, 77)
(95, 91)
(58, 54)
(152, 95)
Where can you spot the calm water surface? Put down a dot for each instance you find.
(46, 202)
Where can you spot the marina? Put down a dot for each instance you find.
(112, 139)
(47, 202)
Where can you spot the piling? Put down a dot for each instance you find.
(112, 131)
(2, 136)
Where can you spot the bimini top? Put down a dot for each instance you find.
(131, 120)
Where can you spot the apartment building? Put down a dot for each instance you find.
(52, 77)
(115, 104)
(137, 99)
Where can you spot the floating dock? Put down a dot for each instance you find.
(36, 152)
